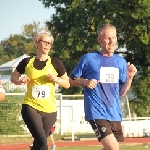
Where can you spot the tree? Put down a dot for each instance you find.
(19, 44)
(31, 29)
(16, 46)
(74, 26)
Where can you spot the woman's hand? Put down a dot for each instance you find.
(62, 81)
(24, 80)
(52, 77)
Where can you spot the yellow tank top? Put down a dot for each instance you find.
(40, 91)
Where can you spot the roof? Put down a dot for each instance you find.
(12, 64)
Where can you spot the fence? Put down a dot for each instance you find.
(136, 127)
(71, 115)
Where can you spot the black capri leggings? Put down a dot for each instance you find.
(39, 124)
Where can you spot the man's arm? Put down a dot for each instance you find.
(92, 83)
(125, 87)
(77, 82)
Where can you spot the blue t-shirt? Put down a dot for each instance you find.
(103, 101)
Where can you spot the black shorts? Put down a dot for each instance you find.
(102, 128)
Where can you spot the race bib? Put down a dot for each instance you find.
(109, 75)
(41, 91)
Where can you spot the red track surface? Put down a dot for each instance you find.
(76, 143)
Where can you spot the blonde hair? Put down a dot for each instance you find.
(104, 26)
(41, 34)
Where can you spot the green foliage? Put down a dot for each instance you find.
(31, 29)
(124, 107)
(10, 116)
(141, 89)
(19, 44)
(16, 46)
(74, 26)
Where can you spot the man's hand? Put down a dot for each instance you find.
(90, 83)
(131, 70)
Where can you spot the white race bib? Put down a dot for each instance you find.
(109, 75)
(41, 91)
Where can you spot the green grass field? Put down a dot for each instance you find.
(131, 147)
(14, 140)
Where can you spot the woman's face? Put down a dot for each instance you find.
(44, 44)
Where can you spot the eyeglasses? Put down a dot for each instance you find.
(45, 42)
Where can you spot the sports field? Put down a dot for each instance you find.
(129, 144)
(131, 147)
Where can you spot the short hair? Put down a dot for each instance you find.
(104, 26)
(41, 34)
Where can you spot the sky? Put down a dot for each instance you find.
(14, 14)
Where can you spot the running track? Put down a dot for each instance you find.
(76, 143)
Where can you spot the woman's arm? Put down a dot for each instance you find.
(62, 81)
(15, 78)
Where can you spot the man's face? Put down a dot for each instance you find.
(108, 40)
